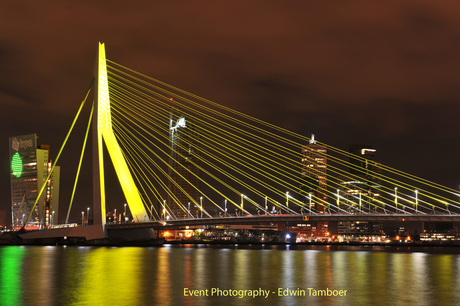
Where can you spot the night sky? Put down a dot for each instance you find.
(383, 73)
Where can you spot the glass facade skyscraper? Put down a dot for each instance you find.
(29, 169)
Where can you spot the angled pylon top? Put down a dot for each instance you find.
(103, 120)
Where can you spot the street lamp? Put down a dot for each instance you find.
(396, 197)
(52, 217)
(225, 210)
(82, 217)
(416, 200)
(287, 198)
(164, 209)
(338, 197)
(266, 206)
(201, 208)
(360, 201)
(87, 216)
(188, 216)
(310, 202)
(242, 197)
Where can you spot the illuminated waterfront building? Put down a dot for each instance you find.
(183, 168)
(314, 175)
(359, 228)
(311, 231)
(29, 169)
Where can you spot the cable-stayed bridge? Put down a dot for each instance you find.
(182, 159)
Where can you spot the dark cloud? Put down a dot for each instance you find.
(383, 73)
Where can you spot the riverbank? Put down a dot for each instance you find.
(455, 244)
(14, 238)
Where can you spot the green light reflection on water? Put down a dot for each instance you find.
(11, 274)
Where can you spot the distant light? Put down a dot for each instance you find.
(288, 236)
(179, 123)
(363, 151)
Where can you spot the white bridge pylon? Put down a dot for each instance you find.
(103, 133)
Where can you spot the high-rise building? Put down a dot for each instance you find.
(362, 184)
(29, 169)
(185, 184)
(365, 163)
(54, 187)
(314, 175)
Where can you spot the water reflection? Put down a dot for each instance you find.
(11, 274)
(158, 276)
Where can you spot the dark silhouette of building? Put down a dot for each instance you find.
(362, 186)
(185, 185)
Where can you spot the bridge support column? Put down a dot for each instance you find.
(103, 133)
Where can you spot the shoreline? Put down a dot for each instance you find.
(455, 244)
(15, 239)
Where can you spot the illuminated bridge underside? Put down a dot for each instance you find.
(250, 220)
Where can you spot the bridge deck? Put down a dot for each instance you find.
(286, 218)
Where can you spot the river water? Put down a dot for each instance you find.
(228, 275)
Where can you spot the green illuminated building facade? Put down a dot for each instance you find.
(29, 169)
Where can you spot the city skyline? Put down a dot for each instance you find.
(389, 82)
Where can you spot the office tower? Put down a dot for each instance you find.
(54, 187)
(314, 175)
(29, 169)
(365, 161)
(185, 184)
(362, 184)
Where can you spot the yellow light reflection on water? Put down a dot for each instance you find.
(111, 275)
(163, 281)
